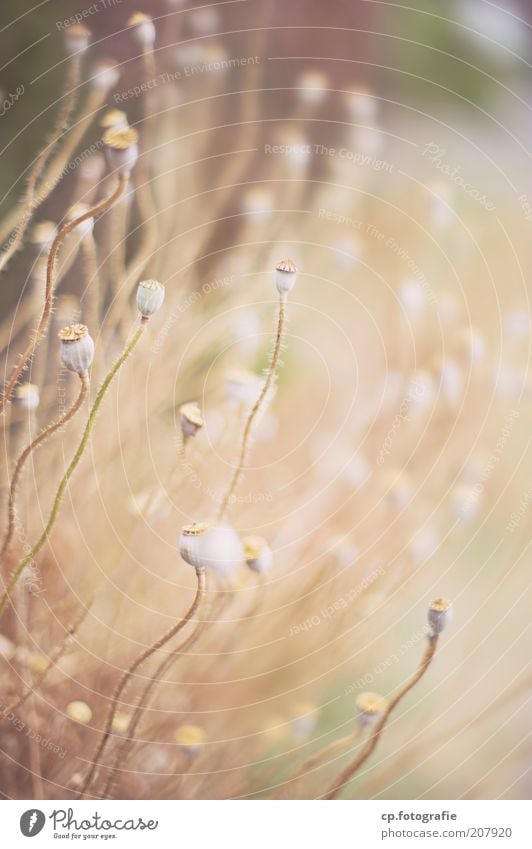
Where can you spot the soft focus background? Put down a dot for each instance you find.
(385, 149)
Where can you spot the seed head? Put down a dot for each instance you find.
(370, 708)
(77, 348)
(26, 396)
(213, 549)
(285, 276)
(191, 419)
(76, 39)
(150, 297)
(79, 712)
(85, 227)
(440, 615)
(114, 119)
(143, 30)
(121, 148)
(258, 554)
(106, 75)
(192, 739)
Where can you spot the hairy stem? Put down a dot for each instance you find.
(127, 676)
(42, 327)
(270, 377)
(371, 744)
(51, 429)
(71, 468)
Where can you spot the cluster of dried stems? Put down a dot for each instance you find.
(205, 681)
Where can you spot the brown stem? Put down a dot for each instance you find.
(371, 744)
(126, 677)
(270, 377)
(40, 332)
(51, 429)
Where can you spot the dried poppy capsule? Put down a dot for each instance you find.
(192, 739)
(440, 615)
(79, 712)
(114, 119)
(258, 554)
(27, 396)
(285, 276)
(121, 148)
(214, 549)
(191, 419)
(106, 75)
(77, 348)
(76, 38)
(143, 30)
(150, 297)
(370, 708)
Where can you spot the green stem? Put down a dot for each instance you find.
(71, 468)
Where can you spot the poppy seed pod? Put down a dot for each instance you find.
(76, 39)
(150, 297)
(27, 396)
(114, 119)
(77, 348)
(121, 148)
(370, 708)
(143, 30)
(84, 228)
(79, 712)
(285, 276)
(106, 75)
(191, 419)
(192, 739)
(440, 615)
(258, 554)
(214, 549)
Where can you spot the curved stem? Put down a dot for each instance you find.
(51, 429)
(71, 468)
(30, 201)
(270, 377)
(126, 677)
(362, 757)
(42, 327)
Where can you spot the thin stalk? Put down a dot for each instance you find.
(54, 660)
(127, 676)
(71, 468)
(42, 327)
(46, 434)
(321, 756)
(371, 744)
(270, 377)
(30, 200)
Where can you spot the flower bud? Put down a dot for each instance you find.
(121, 148)
(191, 419)
(192, 739)
(27, 396)
(285, 276)
(440, 615)
(150, 297)
(258, 554)
(114, 119)
(79, 712)
(370, 708)
(143, 30)
(77, 348)
(76, 39)
(214, 549)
